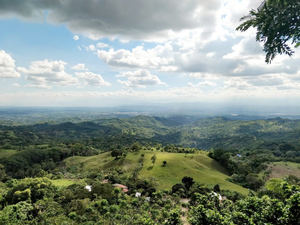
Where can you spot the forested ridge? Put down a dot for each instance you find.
(272, 134)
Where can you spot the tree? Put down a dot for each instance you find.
(116, 153)
(32, 189)
(153, 159)
(278, 26)
(136, 146)
(217, 188)
(174, 218)
(2, 173)
(20, 213)
(178, 188)
(188, 182)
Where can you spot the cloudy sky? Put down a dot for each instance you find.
(116, 52)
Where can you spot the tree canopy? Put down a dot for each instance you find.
(278, 26)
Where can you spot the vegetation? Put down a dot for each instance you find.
(38, 201)
(199, 166)
(277, 23)
(277, 135)
(207, 209)
(150, 170)
(4, 153)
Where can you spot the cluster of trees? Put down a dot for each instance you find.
(38, 201)
(86, 133)
(37, 160)
(178, 149)
(208, 209)
(243, 167)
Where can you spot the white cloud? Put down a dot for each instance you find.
(158, 57)
(102, 45)
(47, 73)
(202, 84)
(7, 66)
(79, 66)
(139, 79)
(75, 37)
(92, 79)
(91, 48)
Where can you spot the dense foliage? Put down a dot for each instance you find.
(37, 201)
(207, 209)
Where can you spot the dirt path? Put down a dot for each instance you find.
(185, 211)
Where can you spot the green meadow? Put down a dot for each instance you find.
(64, 182)
(199, 166)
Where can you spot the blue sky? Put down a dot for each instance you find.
(105, 53)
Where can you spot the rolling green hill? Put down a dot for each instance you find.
(199, 166)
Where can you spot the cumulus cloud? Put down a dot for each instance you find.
(79, 66)
(46, 73)
(202, 84)
(91, 48)
(228, 58)
(92, 79)
(159, 57)
(75, 37)
(102, 45)
(134, 18)
(139, 79)
(7, 66)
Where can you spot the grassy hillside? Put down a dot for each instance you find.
(4, 153)
(199, 166)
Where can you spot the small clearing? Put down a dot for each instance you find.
(283, 169)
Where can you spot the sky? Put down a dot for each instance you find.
(116, 52)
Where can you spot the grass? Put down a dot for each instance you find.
(199, 166)
(4, 153)
(93, 163)
(283, 169)
(63, 182)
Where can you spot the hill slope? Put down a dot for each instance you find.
(199, 166)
